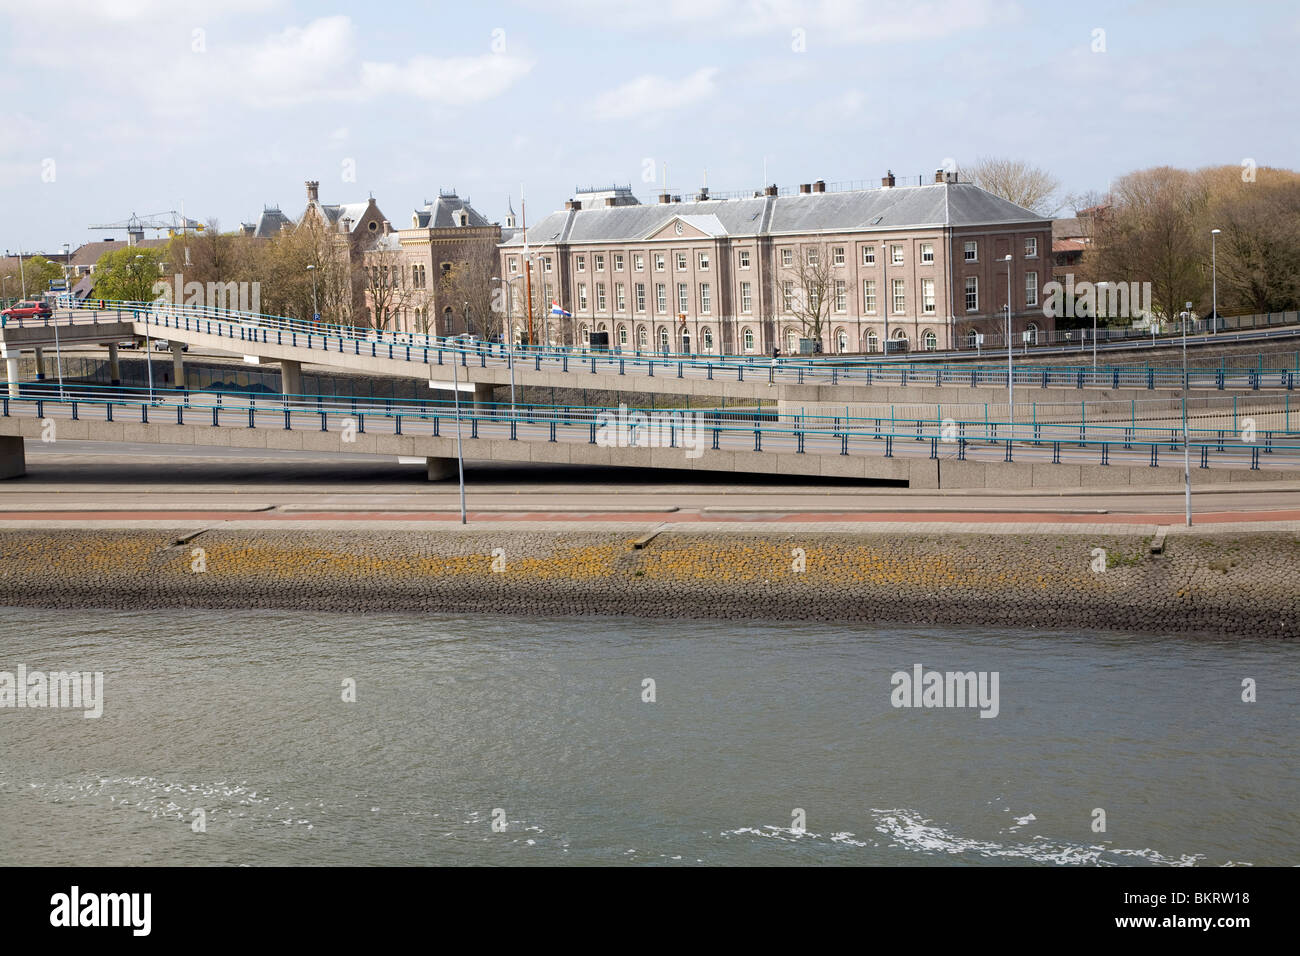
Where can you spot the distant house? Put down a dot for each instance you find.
(1071, 239)
(356, 225)
(269, 224)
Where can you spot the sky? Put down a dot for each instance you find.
(114, 107)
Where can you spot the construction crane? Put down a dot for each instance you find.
(174, 222)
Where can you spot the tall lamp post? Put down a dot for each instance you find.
(1214, 282)
(1187, 455)
(315, 309)
(1011, 394)
(148, 345)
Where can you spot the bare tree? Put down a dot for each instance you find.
(389, 289)
(1016, 181)
(814, 289)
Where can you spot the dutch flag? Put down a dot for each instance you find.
(556, 310)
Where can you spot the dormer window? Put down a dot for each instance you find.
(464, 219)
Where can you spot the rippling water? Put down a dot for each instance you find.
(241, 715)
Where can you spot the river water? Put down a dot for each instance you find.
(540, 725)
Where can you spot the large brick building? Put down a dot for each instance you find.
(925, 264)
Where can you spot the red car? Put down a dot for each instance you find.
(27, 309)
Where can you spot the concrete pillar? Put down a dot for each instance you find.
(441, 468)
(12, 461)
(40, 365)
(178, 365)
(114, 368)
(483, 395)
(11, 373)
(290, 377)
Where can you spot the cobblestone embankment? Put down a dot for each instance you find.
(1225, 584)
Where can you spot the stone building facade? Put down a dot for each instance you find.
(923, 265)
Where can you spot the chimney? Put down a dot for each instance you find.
(345, 225)
(611, 201)
(313, 190)
(950, 176)
(939, 176)
(770, 190)
(703, 194)
(887, 181)
(388, 227)
(805, 188)
(665, 198)
(573, 204)
(819, 186)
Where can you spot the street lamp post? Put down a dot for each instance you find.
(1011, 394)
(1187, 455)
(315, 309)
(1214, 282)
(148, 345)
(460, 457)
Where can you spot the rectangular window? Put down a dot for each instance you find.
(546, 263)
(600, 297)
(638, 262)
(896, 254)
(600, 263)
(681, 262)
(869, 296)
(814, 256)
(704, 261)
(841, 296)
(640, 296)
(683, 297)
(580, 263)
(1031, 248)
(787, 295)
(927, 295)
(1031, 288)
(659, 262)
(787, 257)
(837, 255)
(900, 299)
(746, 299)
(514, 265)
(706, 299)
(582, 295)
(618, 262)
(972, 251)
(661, 297)
(868, 255)
(972, 293)
(620, 297)
(927, 252)
(744, 258)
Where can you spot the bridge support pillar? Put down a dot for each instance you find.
(483, 395)
(114, 367)
(12, 460)
(290, 377)
(440, 468)
(40, 365)
(11, 374)
(178, 365)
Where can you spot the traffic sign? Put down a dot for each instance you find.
(315, 316)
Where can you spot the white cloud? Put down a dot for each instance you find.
(649, 95)
(460, 79)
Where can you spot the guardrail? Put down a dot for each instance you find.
(254, 330)
(676, 429)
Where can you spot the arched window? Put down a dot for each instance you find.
(842, 341)
(586, 335)
(446, 320)
(929, 341)
(792, 341)
(1031, 331)
(900, 335)
(708, 339)
(873, 341)
(622, 336)
(642, 338)
(972, 338)
(663, 339)
(748, 336)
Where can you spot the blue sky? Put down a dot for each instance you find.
(109, 107)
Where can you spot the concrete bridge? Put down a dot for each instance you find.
(924, 455)
(481, 368)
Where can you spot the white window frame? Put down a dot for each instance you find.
(787, 257)
(927, 297)
(598, 262)
(639, 297)
(869, 296)
(837, 255)
(971, 251)
(1031, 247)
(746, 298)
(660, 262)
(841, 296)
(868, 255)
(1031, 289)
(972, 293)
(683, 297)
(682, 261)
(702, 260)
(706, 299)
(579, 263)
(927, 253)
(896, 253)
(744, 259)
(898, 294)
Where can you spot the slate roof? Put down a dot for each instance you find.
(271, 222)
(929, 206)
(445, 212)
